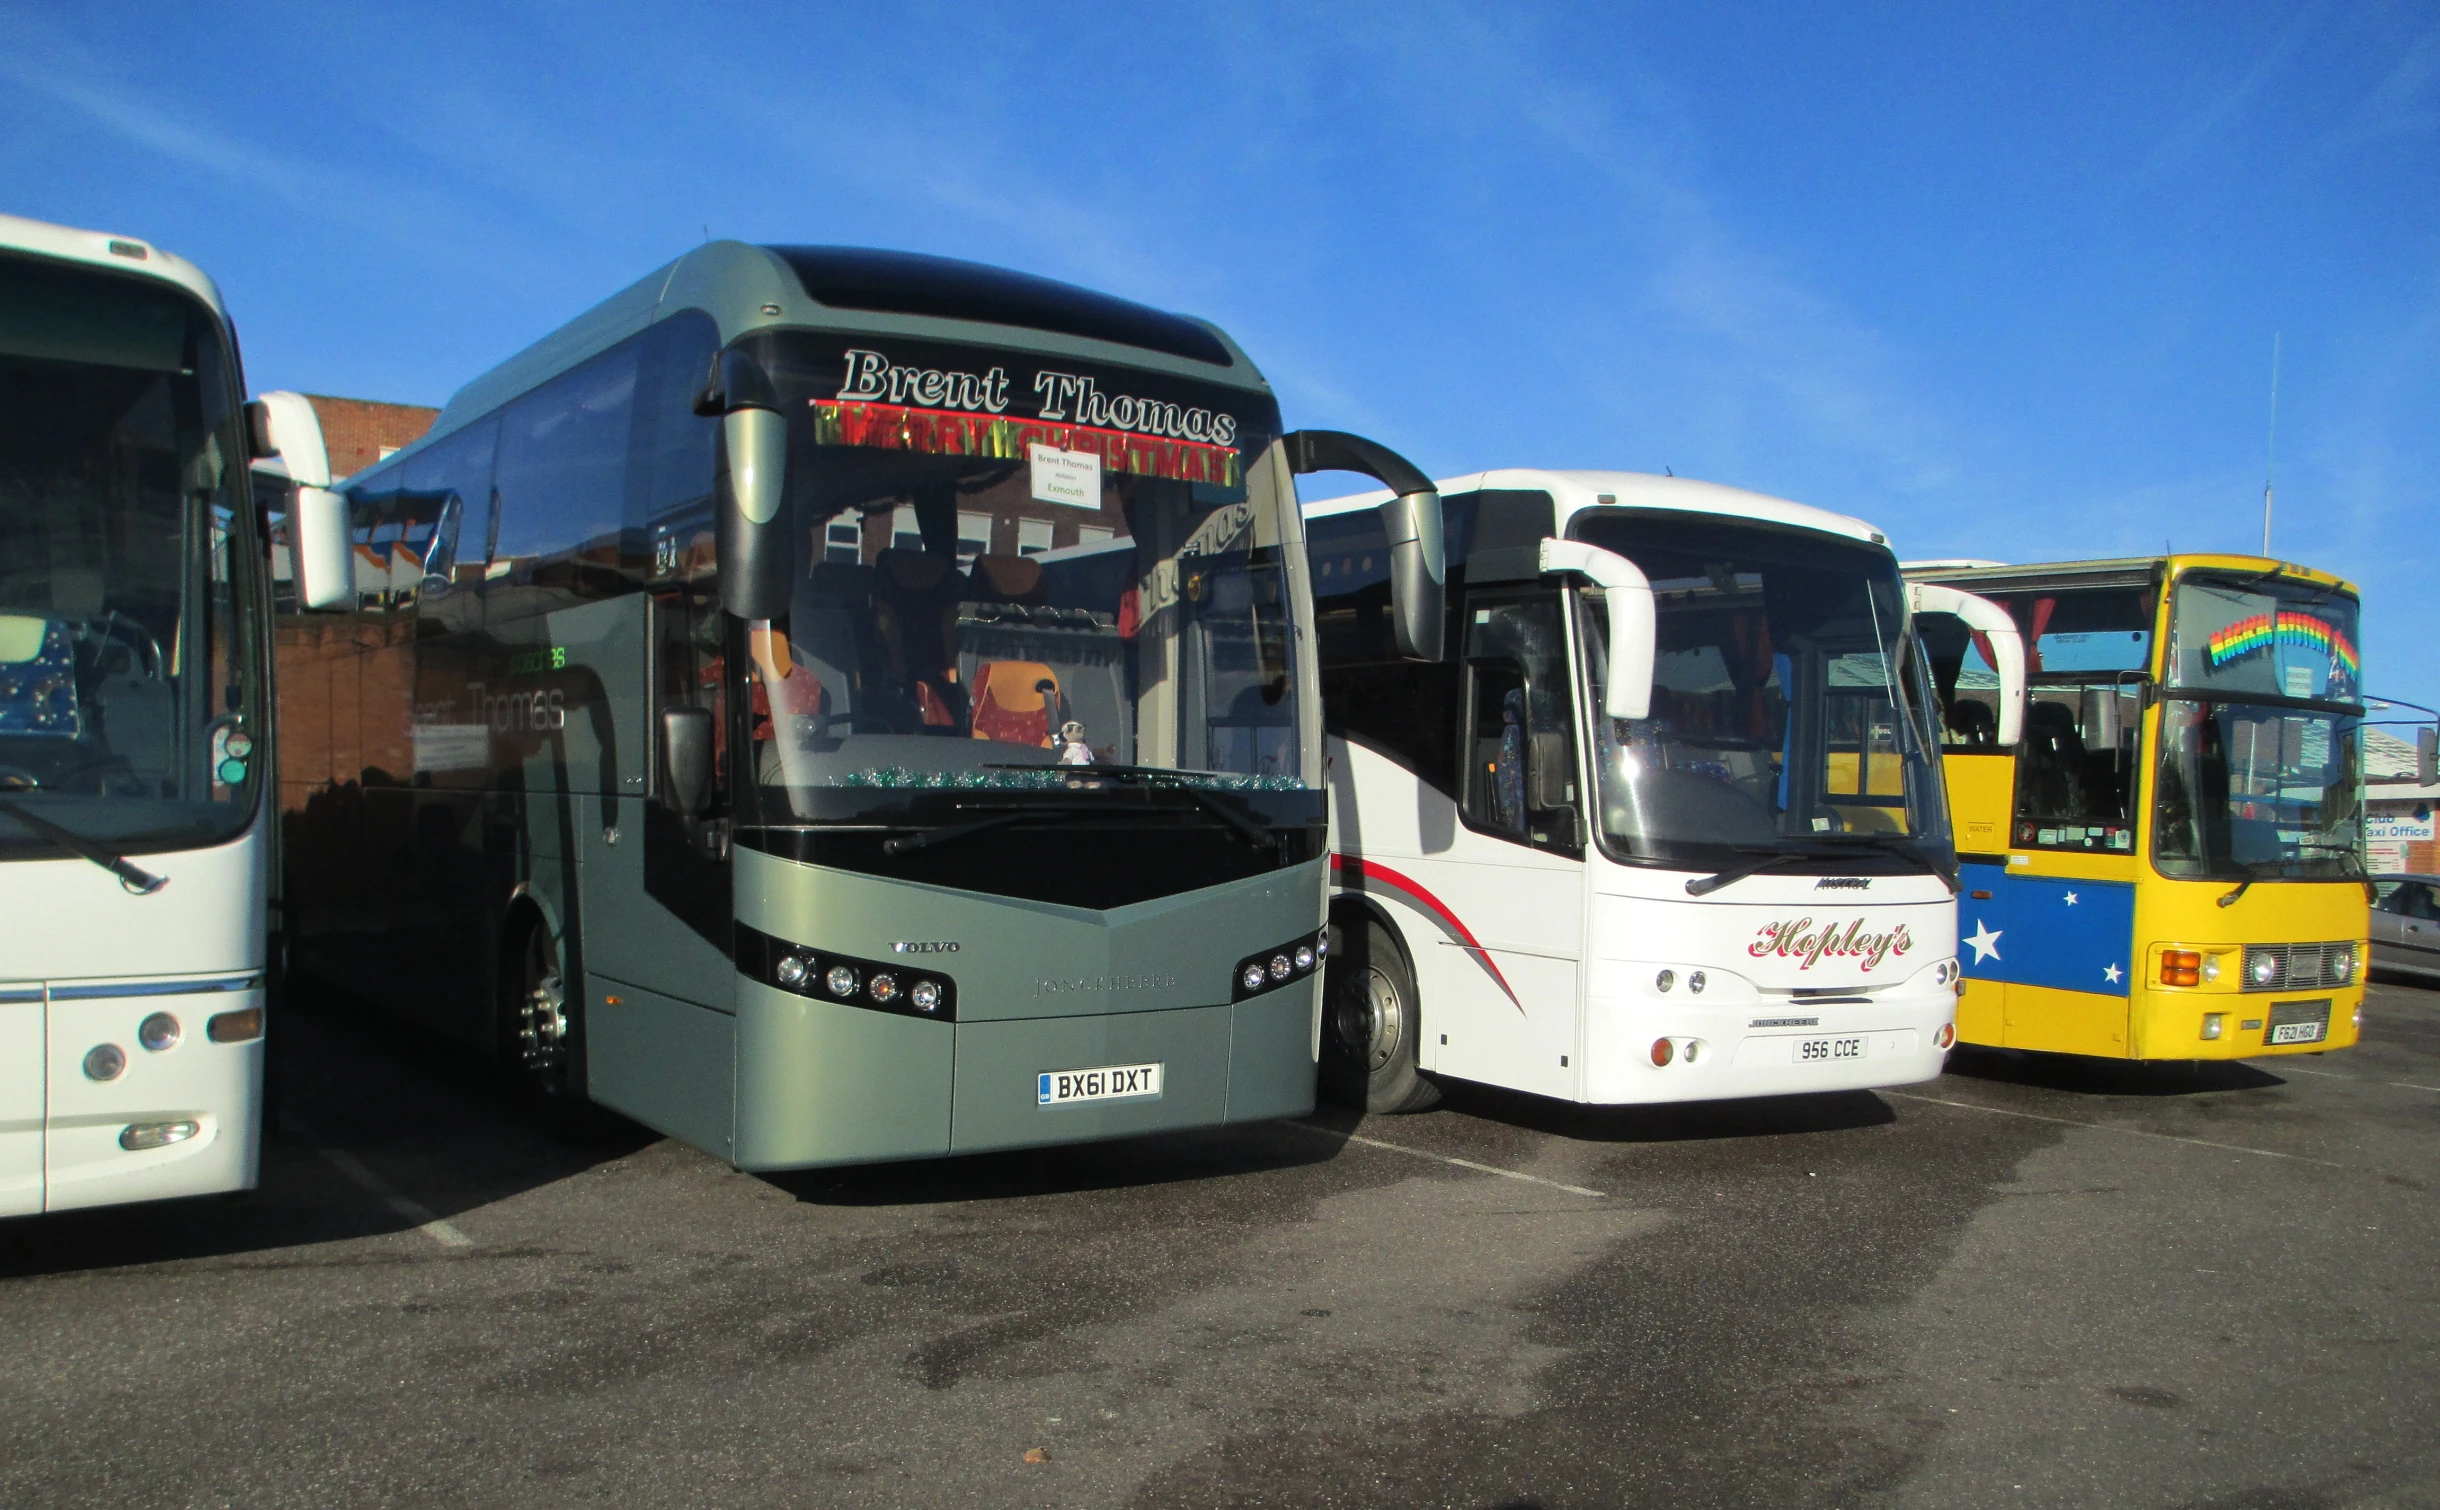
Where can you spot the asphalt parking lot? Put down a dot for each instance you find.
(2028, 1283)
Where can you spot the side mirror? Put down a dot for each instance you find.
(686, 761)
(2427, 757)
(1999, 631)
(325, 557)
(756, 555)
(259, 444)
(1418, 564)
(1634, 621)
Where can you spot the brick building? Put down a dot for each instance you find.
(358, 432)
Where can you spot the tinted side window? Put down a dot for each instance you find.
(562, 479)
(449, 484)
(389, 546)
(1520, 728)
(678, 446)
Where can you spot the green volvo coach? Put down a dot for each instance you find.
(835, 705)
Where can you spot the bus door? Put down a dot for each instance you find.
(1507, 999)
(658, 956)
(21, 1098)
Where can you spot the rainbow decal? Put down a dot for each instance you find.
(950, 432)
(1368, 876)
(2299, 630)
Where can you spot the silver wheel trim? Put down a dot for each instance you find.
(1368, 1020)
(542, 1026)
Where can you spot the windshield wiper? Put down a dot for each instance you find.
(1000, 818)
(1900, 845)
(1154, 778)
(1772, 859)
(136, 879)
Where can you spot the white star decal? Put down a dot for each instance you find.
(1984, 941)
(2071, 899)
(2111, 974)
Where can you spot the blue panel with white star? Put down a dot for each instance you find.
(2070, 935)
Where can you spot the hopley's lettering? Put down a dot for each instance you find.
(1080, 400)
(874, 378)
(1801, 940)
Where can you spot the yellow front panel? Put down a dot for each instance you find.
(2169, 914)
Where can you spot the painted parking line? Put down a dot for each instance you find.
(1442, 1158)
(2132, 1132)
(425, 1220)
(2290, 1069)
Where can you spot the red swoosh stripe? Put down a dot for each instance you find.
(1357, 874)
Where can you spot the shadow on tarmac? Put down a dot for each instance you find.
(1663, 1122)
(1128, 1163)
(2078, 1075)
(439, 1124)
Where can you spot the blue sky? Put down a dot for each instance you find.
(2003, 280)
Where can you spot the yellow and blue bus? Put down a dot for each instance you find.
(2165, 865)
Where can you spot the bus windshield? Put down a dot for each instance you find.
(1786, 711)
(128, 683)
(2251, 786)
(968, 619)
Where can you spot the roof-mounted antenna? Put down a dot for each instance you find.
(2270, 448)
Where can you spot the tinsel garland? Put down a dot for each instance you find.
(1051, 778)
(951, 432)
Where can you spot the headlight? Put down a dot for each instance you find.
(1253, 978)
(1305, 956)
(925, 996)
(2342, 964)
(158, 1032)
(2263, 968)
(1695, 982)
(105, 1061)
(1664, 981)
(2211, 967)
(790, 970)
(841, 980)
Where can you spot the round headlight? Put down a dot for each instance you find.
(1279, 967)
(791, 970)
(925, 995)
(2342, 964)
(105, 1061)
(1695, 982)
(158, 1032)
(1664, 980)
(2265, 969)
(1304, 957)
(1321, 945)
(1253, 977)
(841, 980)
(883, 987)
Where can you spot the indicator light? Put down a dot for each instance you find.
(1663, 1051)
(234, 1027)
(138, 1136)
(1279, 967)
(883, 987)
(1946, 1036)
(2180, 967)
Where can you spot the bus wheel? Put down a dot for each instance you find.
(1371, 1024)
(539, 1023)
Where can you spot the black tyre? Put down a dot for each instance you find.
(1371, 1023)
(542, 1020)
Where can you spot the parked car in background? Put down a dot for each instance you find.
(2406, 925)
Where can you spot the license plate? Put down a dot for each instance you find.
(1824, 1050)
(1112, 1082)
(2297, 1022)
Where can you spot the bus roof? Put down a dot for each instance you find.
(2119, 570)
(1573, 490)
(877, 293)
(124, 254)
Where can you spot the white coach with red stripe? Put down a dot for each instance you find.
(1666, 824)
